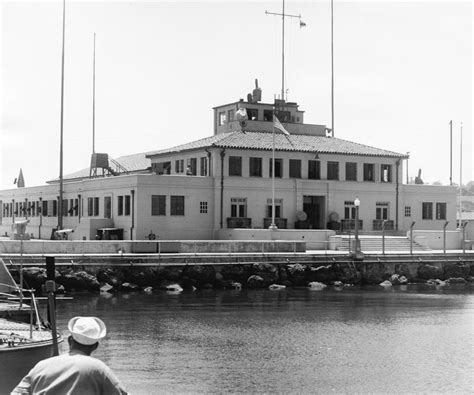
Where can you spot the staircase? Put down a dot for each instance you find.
(374, 243)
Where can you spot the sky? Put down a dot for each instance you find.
(402, 71)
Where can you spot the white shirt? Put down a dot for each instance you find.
(72, 373)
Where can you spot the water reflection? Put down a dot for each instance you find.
(294, 340)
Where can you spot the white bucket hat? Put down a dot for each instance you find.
(87, 330)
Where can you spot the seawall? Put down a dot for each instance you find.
(127, 272)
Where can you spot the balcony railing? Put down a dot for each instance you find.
(378, 223)
(281, 223)
(349, 224)
(233, 222)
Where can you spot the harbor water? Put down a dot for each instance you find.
(405, 339)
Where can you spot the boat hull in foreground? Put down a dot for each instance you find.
(19, 353)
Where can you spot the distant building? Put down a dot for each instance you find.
(224, 181)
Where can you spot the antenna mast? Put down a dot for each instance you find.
(283, 15)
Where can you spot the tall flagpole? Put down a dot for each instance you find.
(93, 101)
(332, 69)
(460, 180)
(283, 53)
(273, 226)
(60, 203)
(451, 152)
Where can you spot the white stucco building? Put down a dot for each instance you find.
(224, 181)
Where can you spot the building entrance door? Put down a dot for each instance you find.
(314, 206)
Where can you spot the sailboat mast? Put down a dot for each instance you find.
(60, 204)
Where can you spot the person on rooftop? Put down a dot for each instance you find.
(75, 372)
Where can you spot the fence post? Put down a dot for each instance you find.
(464, 237)
(444, 236)
(411, 237)
(383, 236)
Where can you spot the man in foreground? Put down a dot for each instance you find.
(75, 372)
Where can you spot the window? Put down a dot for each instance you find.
(75, 208)
(96, 206)
(126, 209)
(283, 116)
(203, 207)
(278, 204)
(230, 115)
(381, 210)
(30, 209)
(440, 210)
(295, 168)
(427, 210)
(71, 207)
(349, 210)
(177, 205)
(252, 114)
(238, 207)
(54, 211)
(44, 208)
(369, 172)
(179, 166)
(107, 207)
(203, 166)
(268, 115)
(235, 166)
(119, 205)
(191, 167)
(161, 167)
(386, 173)
(93, 206)
(158, 205)
(351, 171)
(333, 170)
(255, 167)
(407, 211)
(222, 118)
(278, 168)
(314, 170)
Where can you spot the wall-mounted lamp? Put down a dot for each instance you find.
(316, 156)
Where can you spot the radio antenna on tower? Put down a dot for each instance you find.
(302, 24)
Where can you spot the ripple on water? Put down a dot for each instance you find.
(292, 341)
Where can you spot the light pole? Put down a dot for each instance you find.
(357, 251)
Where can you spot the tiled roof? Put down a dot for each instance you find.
(251, 140)
(294, 142)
